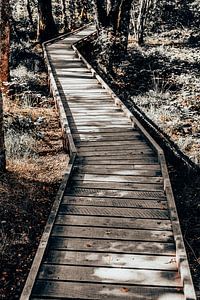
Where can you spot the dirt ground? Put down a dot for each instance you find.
(27, 191)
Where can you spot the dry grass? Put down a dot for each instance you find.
(27, 192)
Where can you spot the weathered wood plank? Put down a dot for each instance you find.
(127, 170)
(113, 233)
(102, 117)
(115, 202)
(124, 133)
(147, 262)
(98, 126)
(94, 291)
(111, 246)
(114, 222)
(114, 211)
(90, 192)
(117, 186)
(119, 159)
(109, 275)
(95, 110)
(112, 152)
(116, 145)
(132, 163)
(117, 178)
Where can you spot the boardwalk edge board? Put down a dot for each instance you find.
(69, 145)
(182, 260)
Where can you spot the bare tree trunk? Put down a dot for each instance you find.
(113, 18)
(4, 70)
(2, 143)
(46, 26)
(28, 6)
(5, 43)
(72, 14)
(64, 16)
(143, 13)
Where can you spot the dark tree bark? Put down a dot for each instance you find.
(28, 6)
(4, 70)
(64, 16)
(72, 9)
(113, 19)
(46, 26)
(143, 12)
(5, 42)
(2, 143)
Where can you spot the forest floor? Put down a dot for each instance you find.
(162, 80)
(35, 166)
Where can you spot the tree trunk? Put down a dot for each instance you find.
(46, 26)
(143, 13)
(5, 44)
(2, 144)
(4, 70)
(28, 6)
(72, 11)
(64, 16)
(113, 18)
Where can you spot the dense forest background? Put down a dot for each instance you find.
(148, 52)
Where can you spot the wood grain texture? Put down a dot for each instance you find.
(94, 291)
(111, 246)
(113, 233)
(114, 222)
(95, 259)
(115, 202)
(110, 275)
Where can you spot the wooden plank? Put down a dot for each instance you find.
(113, 233)
(117, 161)
(80, 138)
(89, 192)
(95, 291)
(119, 168)
(117, 186)
(128, 145)
(124, 133)
(94, 113)
(97, 109)
(114, 212)
(113, 130)
(100, 121)
(116, 178)
(132, 144)
(79, 103)
(98, 126)
(80, 87)
(117, 158)
(112, 152)
(113, 202)
(66, 88)
(108, 116)
(111, 246)
(114, 222)
(110, 275)
(153, 170)
(95, 259)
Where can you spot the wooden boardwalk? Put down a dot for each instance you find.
(115, 233)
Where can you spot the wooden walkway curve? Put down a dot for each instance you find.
(113, 232)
